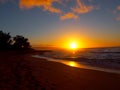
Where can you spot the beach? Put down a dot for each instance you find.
(20, 71)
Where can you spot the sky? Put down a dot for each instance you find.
(92, 23)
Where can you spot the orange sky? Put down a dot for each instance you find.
(90, 23)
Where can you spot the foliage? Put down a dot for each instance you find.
(8, 42)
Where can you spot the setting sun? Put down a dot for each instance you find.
(73, 45)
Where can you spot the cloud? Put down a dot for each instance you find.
(45, 4)
(81, 8)
(116, 11)
(118, 7)
(69, 15)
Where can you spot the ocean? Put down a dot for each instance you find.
(102, 59)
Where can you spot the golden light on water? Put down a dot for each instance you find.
(72, 64)
(69, 63)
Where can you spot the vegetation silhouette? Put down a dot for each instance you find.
(7, 42)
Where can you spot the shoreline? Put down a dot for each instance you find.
(84, 65)
(23, 72)
(70, 78)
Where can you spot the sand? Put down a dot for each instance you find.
(20, 71)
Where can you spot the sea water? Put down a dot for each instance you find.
(102, 59)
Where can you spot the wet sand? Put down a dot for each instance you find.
(23, 72)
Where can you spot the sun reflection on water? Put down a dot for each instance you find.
(72, 63)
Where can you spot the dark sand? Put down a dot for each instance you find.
(22, 72)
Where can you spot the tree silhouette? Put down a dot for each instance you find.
(21, 42)
(8, 42)
(5, 40)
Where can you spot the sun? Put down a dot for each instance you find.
(73, 45)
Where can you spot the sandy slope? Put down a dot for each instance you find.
(22, 72)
